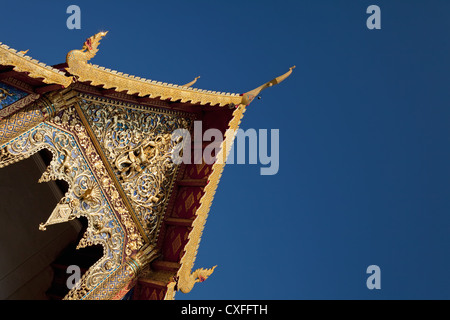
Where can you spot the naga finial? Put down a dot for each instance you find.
(91, 44)
(202, 274)
(186, 282)
(249, 96)
(89, 50)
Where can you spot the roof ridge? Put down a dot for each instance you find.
(160, 83)
(29, 58)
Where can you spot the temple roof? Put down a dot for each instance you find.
(35, 69)
(79, 73)
(79, 70)
(154, 89)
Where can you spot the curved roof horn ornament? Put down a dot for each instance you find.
(249, 96)
(187, 85)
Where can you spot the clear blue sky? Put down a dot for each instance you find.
(364, 133)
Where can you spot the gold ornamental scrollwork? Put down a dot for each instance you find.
(138, 145)
(4, 94)
(69, 164)
(91, 193)
(68, 120)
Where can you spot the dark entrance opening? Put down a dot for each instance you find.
(29, 256)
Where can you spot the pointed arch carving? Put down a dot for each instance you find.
(90, 194)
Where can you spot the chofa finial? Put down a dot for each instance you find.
(249, 96)
(89, 50)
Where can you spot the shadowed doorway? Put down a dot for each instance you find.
(28, 255)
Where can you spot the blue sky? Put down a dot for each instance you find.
(364, 133)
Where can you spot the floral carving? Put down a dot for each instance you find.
(138, 145)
